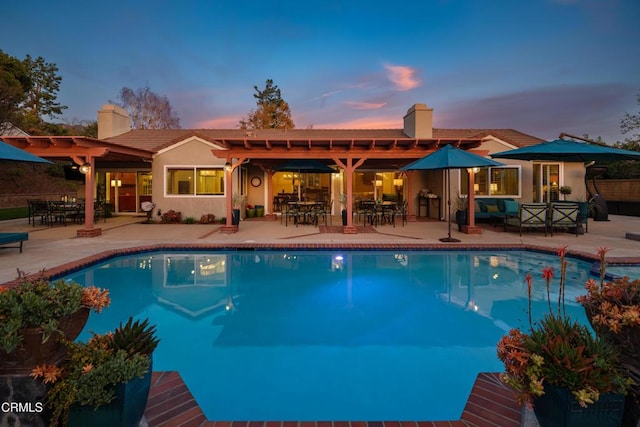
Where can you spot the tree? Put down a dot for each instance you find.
(272, 112)
(148, 110)
(630, 124)
(14, 84)
(42, 95)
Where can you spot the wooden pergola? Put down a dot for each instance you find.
(87, 153)
(348, 153)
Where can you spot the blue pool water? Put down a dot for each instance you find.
(328, 335)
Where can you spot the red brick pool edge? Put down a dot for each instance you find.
(171, 404)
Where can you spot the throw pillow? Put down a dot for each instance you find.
(492, 209)
(511, 206)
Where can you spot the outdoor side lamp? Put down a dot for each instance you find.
(85, 168)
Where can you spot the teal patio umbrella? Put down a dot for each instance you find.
(9, 152)
(561, 150)
(447, 158)
(568, 151)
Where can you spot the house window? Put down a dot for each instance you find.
(195, 181)
(493, 182)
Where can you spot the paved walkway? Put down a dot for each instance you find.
(49, 247)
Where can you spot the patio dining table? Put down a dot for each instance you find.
(306, 211)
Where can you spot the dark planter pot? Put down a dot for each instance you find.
(33, 352)
(259, 211)
(461, 219)
(344, 217)
(558, 408)
(628, 341)
(126, 410)
(235, 217)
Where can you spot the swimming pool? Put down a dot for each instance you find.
(328, 335)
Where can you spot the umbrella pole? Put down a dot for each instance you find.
(448, 191)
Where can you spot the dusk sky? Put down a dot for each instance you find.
(539, 66)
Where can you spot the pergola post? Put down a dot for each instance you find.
(349, 169)
(88, 168)
(229, 167)
(470, 227)
(410, 215)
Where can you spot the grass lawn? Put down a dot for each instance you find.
(13, 213)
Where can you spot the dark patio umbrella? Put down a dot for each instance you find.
(9, 152)
(304, 166)
(568, 151)
(447, 158)
(572, 151)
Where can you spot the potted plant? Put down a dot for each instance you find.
(236, 200)
(251, 211)
(343, 211)
(613, 309)
(562, 369)
(461, 206)
(36, 314)
(565, 190)
(103, 382)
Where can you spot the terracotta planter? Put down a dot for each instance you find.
(32, 351)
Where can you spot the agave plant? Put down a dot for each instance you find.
(135, 337)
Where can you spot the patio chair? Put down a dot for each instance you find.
(564, 215)
(291, 211)
(530, 216)
(99, 209)
(323, 211)
(401, 211)
(38, 209)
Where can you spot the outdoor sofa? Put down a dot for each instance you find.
(492, 208)
(9, 238)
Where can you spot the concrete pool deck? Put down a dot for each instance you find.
(49, 247)
(171, 403)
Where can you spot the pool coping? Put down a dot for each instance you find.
(490, 403)
(88, 261)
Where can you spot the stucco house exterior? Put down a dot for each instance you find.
(197, 171)
(188, 164)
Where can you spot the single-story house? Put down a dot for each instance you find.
(187, 170)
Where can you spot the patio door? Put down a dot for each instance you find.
(546, 182)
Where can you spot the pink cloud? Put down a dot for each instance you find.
(226, 122)
(403, 77)
(366, 105)
(379, 122)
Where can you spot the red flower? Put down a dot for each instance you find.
(562, 251)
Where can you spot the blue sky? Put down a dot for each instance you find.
(538, 66)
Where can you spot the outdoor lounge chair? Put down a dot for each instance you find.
(530, 216)
(8, 238)
(564, 215)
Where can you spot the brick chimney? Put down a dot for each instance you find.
(418, 122)
(112, 121)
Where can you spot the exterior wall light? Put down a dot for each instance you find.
(473, 170)
(227, 167)
(85, 168)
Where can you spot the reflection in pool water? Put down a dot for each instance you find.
(328, 335)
